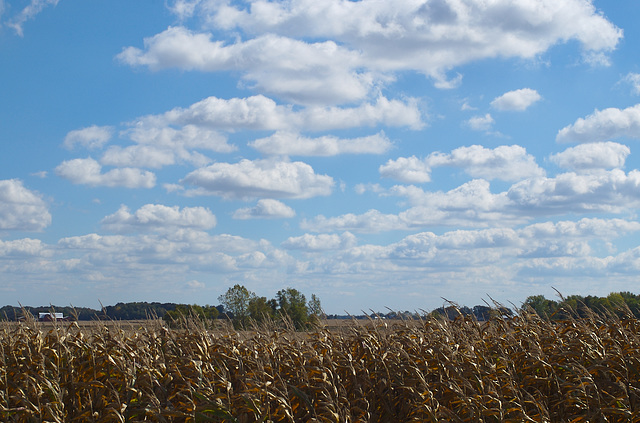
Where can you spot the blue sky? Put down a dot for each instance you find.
(377, 154)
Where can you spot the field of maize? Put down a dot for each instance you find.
(505, 370)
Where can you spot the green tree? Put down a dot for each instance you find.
(293, 304)
(545, 308)
(236, 301)
(261, 309)
(315, 308)
(184, 312)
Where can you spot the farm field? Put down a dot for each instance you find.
(504, 370)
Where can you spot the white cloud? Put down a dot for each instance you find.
(89, 172)
(322, 242)
(466, 106)
(599, 155)
(362, 188)
(481, 123)
(603, 125)
(517, 100)
(183, 8)
(606, 191)
(496, 251)
(507, 163)
(406, 169)
(430, 37)
(187, 137)
(596, 59)
(634, 80)
(139, 155)
(157, 217)
(474, 205)
(583, 228)
(91, 137)
(167, 254)
(266, 208)
(262, 113)
(293, 144)
(29, 12)
(260, 178)
(21, 208)
(370, 222)
(23, 248)
(306, 73)
(159, 146)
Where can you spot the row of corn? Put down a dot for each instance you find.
(521, 369)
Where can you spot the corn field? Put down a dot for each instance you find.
(504, 370)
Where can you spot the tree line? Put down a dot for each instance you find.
(243, 307)
(238, 304)
(619, 304)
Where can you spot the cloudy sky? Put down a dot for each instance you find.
(375, 153)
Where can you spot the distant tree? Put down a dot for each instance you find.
(315, 308)
(293, 304)
(236, 300)
(633, 302)
(137, 310)
(261, 309)
(542, 306)
(185, 312)
(482, 313)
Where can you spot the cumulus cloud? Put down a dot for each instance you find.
(507, 163)
(517, 100)
(139, 155)
(91, 137)
(583, 228)
(186, 137)
(472, 204)
(610, 191)
(486, 250)
(89, 172)
(21, 208)
(259, 178)
(321, 242)
(370, 222)
(23, 248)
(480, 123)
(599, 155)
(29, 12)
(262, 113)
(266, 208)
(366, 40)
(158, 217)
(293, 144)
(603, 125)
(406, 169)
(302, 72)
(171, 252)
(159, 146)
